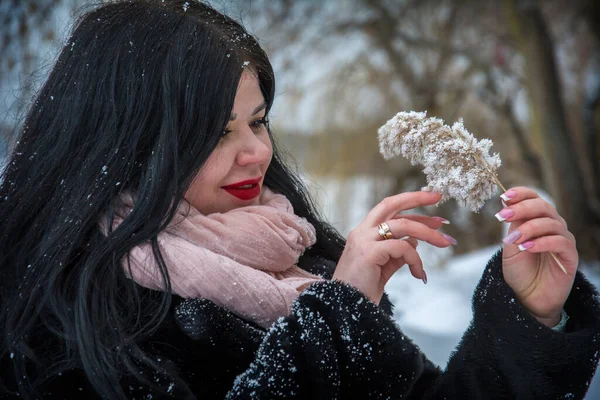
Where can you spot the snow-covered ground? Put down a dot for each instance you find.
(435, 315)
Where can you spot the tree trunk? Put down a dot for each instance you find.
(562, 174)
(591, 113)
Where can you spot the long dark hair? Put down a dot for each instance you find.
(137, 100)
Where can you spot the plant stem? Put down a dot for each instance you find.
(558, 262)
(493, 174)
(551, 253)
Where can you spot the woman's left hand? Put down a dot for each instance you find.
(529, 269)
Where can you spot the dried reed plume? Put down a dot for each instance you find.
(456, 164)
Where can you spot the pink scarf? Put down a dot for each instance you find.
(243, 260)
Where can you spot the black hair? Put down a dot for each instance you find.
(138, 99)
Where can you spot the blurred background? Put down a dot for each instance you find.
(524, 73)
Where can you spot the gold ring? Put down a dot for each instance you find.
(385, 231)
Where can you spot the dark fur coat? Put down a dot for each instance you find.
(339, 345)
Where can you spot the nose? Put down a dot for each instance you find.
(254, 149)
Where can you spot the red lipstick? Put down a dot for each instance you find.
(244, 190)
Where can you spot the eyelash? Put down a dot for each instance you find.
(262, 122)
(255, 125)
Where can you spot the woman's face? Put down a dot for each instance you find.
(233, 174)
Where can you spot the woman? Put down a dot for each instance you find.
(153, 244)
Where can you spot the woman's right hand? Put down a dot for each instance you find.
(369, 261)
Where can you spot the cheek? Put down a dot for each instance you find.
(201, 193)
(194, 193)
(270, 147)
(203, 196)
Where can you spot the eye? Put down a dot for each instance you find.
(260, 123)
(225, 132)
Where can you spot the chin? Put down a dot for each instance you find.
(246, 203)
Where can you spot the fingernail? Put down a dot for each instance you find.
(442, 220)
(503, 203)
(504, 214)
(450, 239)
(526, 245)
(511, 237)
(424, 277)
(509, 194)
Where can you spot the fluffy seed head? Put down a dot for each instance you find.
(455, 163)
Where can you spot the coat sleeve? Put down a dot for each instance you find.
(507, 353)
(335, 345)
(338, 344)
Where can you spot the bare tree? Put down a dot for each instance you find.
(562, 171)
(29, 41)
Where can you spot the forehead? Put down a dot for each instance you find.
(248, 89)
(249, 99)
(249, 74)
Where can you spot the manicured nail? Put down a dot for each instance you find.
(526, 245)
(511, 237)
(424, 277)
(509, 194)
(504, 214)
(503, 203)
(450, 239)
(442, 220)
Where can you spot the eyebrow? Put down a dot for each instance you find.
(256, 111)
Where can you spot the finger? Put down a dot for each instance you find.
(535, 228)
(516, 194)
(432, 222)
(562, 247)
(390, 206)
(399, 249)
(413, 242)
(405, 227)
(529, 209)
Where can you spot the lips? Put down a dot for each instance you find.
(244, 190)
